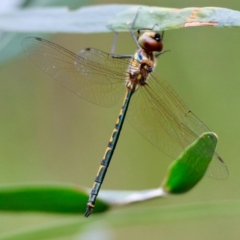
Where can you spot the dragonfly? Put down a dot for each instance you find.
(154, 108)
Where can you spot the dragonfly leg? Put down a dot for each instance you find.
(140, 29)
(122, 56)
(114, 46)
(131, 29)
(161, 53)
(114, 42)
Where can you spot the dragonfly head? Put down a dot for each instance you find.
(150, 41)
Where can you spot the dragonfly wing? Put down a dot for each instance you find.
(92, 74)
(158, 113)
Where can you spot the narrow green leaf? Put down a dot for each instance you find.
(137, 216)
(67, 227)
(185, 172)
(46, 198)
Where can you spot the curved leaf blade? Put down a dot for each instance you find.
(46, 198)
(189, 168)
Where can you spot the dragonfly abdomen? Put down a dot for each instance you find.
(108, 154)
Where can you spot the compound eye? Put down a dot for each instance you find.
(151, 42)
(157, 37)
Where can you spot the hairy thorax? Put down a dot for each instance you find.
(139, 68)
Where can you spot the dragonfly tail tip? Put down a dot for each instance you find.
(88, 211)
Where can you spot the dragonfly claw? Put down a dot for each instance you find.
(88, 210)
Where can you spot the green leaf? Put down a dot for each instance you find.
(46, 198)
(66, 199)
(104, 18)
(60, 19)
(173, 18)
(185, 172)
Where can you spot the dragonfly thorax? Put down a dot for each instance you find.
(140, 67)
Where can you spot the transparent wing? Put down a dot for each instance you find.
(92, 74)
(155, 109)
(158, 113)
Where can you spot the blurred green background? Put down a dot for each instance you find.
(48, 134)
